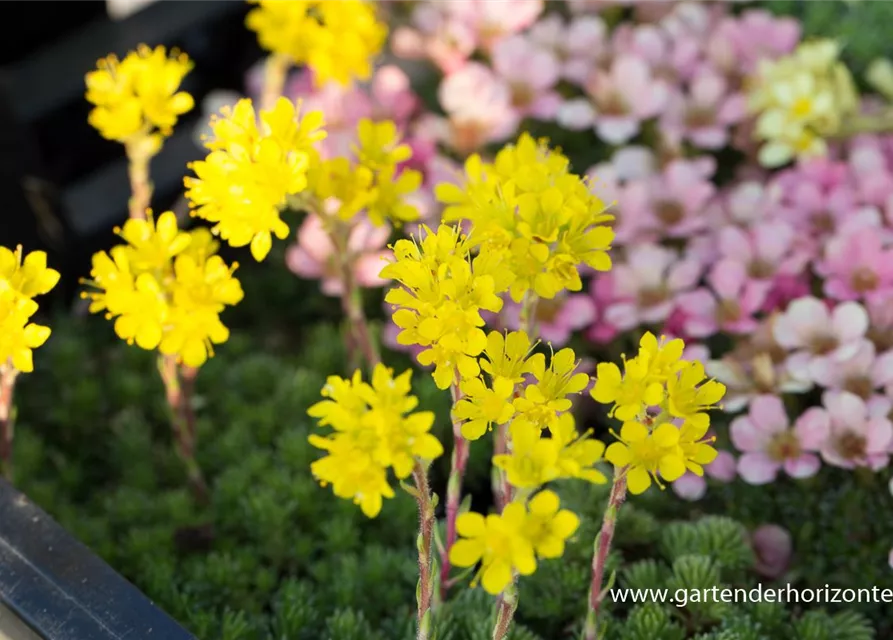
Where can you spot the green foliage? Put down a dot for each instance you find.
(854, 24)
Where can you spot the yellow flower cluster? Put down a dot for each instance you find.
(373, 431)
(370, 182)
(243, 183)
(528, 206)
(20, 281)
(165, 288)
(667, 443)
(513, 540)
(138, 96)
(800, 100)
(338, 40)
(443, 293)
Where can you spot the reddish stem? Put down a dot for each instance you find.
(600, 558)
(7, 428)
(458, 461)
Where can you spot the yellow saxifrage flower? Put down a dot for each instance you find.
(243, 183)
(439, 301)
(652, 446)
(799, 101)
(528, 205)
(536, 460)
(510, 542)
(21, 279)
(138, 96)
(337, 40)
(165, 289)
(544, 399)
(374, 430)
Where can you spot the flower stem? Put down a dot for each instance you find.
(600, 554)
(275, 72)
(8, 375)
(179, 396)
(508, 603)
(427, 565)
(454, 490)
(358, 336)
(140, 186)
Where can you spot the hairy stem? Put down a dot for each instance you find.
(8, 375)
(600, 554)
(508, 603)
(427, 566)
(140, 186)
(275, 72)
(454, 490)
(178, 393)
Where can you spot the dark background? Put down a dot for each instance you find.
(62, 186)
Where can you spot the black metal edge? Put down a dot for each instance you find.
(61, 589)
(44, 81)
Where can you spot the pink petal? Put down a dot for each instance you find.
(850, 321)
(724, 468)
(804, 466)
(746, 436)
(757, 468)
(879, 434)
(768, 415)
(690, 487)
(302, 263)
(812, 428)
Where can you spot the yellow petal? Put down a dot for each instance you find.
(496, 576)
(638, 480)
(466, 553)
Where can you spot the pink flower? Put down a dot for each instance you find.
(737, 44)
(857, 265)
(770, 444)
(857, 439)
(492, 21)
(577, 45)
(447, 41)
(647, 283)
(871, 170)
(531, 73)
(705, 114)
(621, 99)
(729, 305)
(672, 203)
(861, 374)
(749, 202)
(556, 319)
(753, 368)
(392, 95)
(315, 257)
(767, 249)
(601, 290)
(773, 548)
(479, 108)
(880, 328)
(814, 333)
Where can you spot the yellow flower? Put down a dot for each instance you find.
(18, 336)
(630, 393)
(387, 200)
(138, 96)
(547, 526)
(547, 397)
(543, 218)
(338, 181)
(800, 100)
(338, 40)
(690, 395)
(664, 358)
(536, 460)
(165, 289)
(373, 431)
(647, 453)
(696, 449)
(481, 406)
(498, 542)
(510, 357)
(243, 183)
(439, 301)
(379, 145)
(152, 245)
(27, 277)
